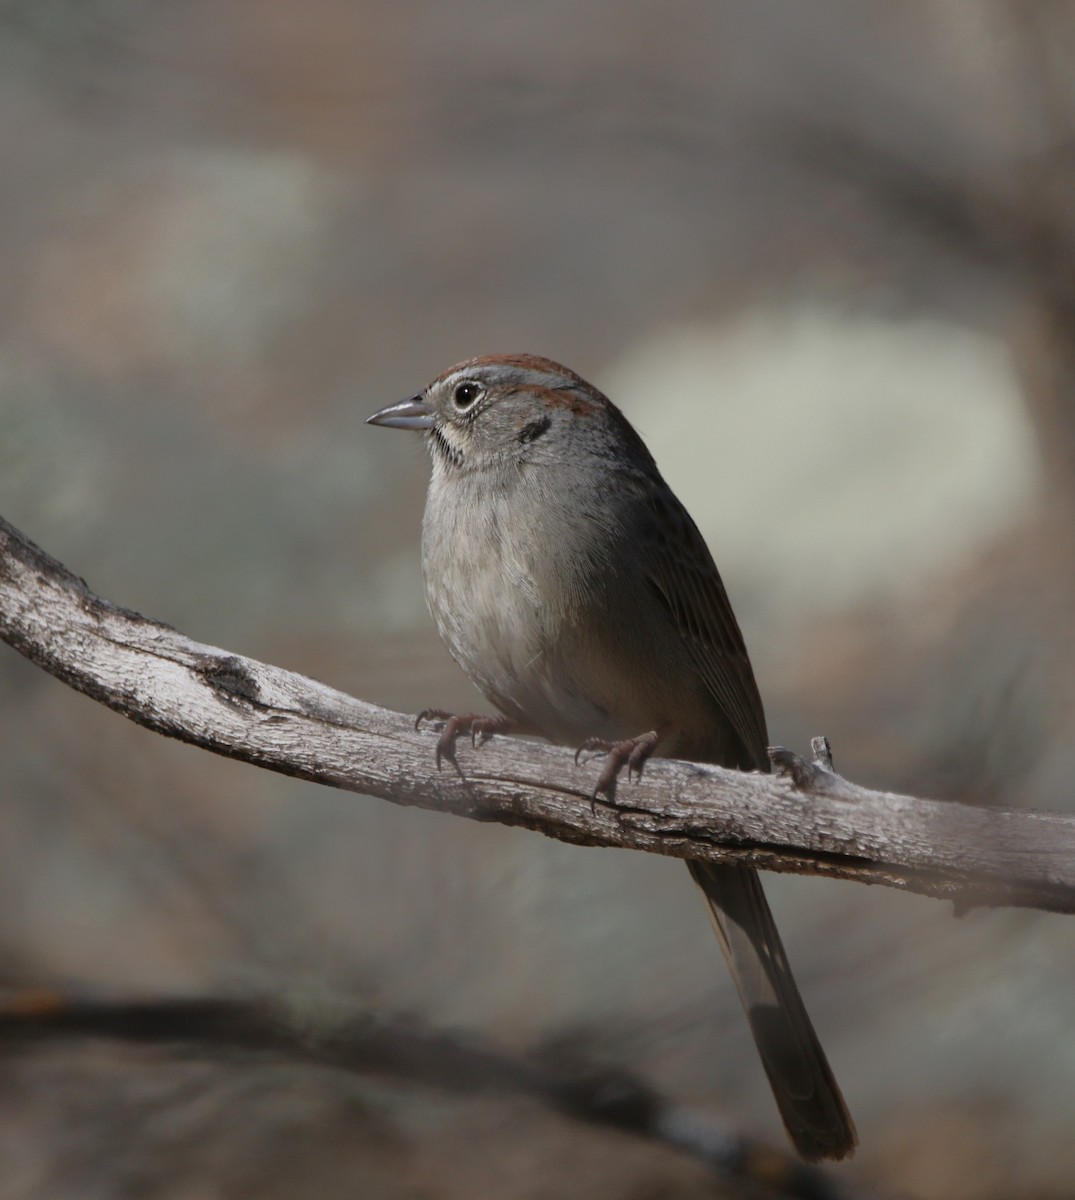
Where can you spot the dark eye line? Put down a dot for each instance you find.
(531, 432)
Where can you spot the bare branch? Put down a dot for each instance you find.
(406, 1049)
(808, 820)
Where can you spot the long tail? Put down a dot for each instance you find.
(802, 1081)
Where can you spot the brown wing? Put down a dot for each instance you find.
(685, 579)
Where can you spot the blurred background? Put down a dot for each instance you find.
(823, 256)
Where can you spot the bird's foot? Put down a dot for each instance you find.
(632, 752)
(480, 727)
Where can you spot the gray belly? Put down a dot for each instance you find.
(558, 648)
(511, 636)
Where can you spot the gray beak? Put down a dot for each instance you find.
(407, 414)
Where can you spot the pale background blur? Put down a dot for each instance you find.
(822, 255)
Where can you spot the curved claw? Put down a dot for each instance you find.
(480, 727)
(446, 748)
(431, 714)
(636, 763)
(597, 746)
(632, 751)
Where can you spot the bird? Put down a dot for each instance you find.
(572, 586)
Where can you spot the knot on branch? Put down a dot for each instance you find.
(231, 677)
(817, 776)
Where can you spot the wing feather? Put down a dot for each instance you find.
(684, 577)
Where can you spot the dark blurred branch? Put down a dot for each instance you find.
(808, 820)
(405, 1049)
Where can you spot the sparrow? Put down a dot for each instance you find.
(572, 586)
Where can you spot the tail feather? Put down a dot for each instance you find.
(806, 1092)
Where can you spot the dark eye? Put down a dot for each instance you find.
(465, 394)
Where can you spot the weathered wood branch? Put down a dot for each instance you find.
(805, 820)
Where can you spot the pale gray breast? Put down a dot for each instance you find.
(536, 590)
(504, 587)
